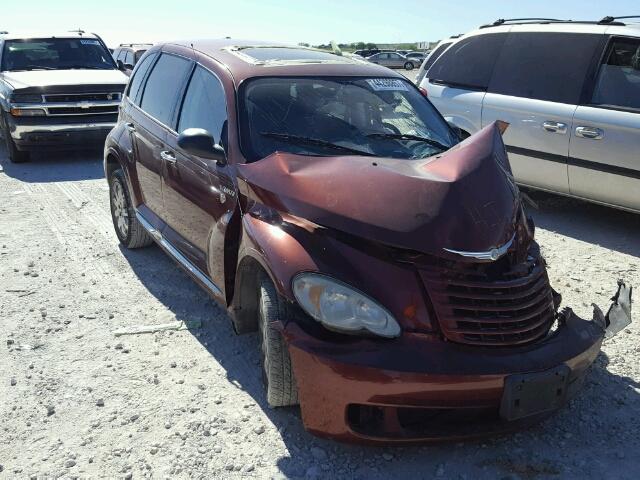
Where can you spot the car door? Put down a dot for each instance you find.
(150, 124)
(199, 195)
(535, 87)
(395, 60)
(457, 81)
(604, 163)
(378, 58)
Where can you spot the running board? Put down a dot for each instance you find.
(179, 257)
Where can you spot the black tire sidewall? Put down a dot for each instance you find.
(408, 66)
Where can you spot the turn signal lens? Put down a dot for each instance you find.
(28, 112)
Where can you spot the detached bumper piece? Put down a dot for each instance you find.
(619, 314)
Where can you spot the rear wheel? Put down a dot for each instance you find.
(129, 230)
(15, 155)
(276, 362)
(408, 66)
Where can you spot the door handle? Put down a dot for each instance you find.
(130, 126)
(555, 127)
(589, 132)
(168, 157)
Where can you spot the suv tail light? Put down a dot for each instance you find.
(423, 91)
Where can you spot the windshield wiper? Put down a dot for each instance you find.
(285, 137)
(405, 136)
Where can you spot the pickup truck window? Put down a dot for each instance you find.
(56, 54)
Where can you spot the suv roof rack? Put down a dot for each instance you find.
(526, 21)
(79, 31)
(608, 20)
(134, 44)
(4, 32)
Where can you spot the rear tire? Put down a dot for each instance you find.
(129, 230)
(276, 362)
(408, 66)
(15, 155)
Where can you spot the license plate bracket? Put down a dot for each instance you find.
(530, 394)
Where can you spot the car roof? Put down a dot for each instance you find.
(248, 58)
(564, 26)
(25, 35)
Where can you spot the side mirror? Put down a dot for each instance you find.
(128, 66)
(199, 142)
(120, 65)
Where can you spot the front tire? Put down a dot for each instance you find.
(276, 362)
(15, 155)
(408, 66)
(129, 230)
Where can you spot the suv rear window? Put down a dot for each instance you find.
(469, 62)
(544, 65)
(163, 87)
(435, 54)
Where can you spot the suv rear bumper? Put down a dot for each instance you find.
(419, 388)
(35, 132)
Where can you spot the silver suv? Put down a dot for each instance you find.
(569, 90)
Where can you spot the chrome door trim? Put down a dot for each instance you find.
(179, 257)
(591, 133)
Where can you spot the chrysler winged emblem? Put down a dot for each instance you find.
(491, 255)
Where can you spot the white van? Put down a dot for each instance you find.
(569, 90)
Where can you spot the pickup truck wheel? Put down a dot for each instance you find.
(128, 229)
(408, 66)
(15, 155)
(276, 362)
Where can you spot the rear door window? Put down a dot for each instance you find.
(128, 59)
(163, 87)
(204, 104)
(549, 66)
(618, 81)
(468, 63)
(138, 77)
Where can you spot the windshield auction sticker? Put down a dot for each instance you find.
(89, 42)
(380, 84)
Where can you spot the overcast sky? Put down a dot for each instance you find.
(296, 21)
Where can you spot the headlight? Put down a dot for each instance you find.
(27, 112)
(25, 98)
(341, 308)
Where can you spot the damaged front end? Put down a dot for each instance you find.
(444, 245)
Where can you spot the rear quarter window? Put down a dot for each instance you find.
(545, 65)
(469, 62)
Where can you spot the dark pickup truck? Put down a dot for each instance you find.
(56, 91)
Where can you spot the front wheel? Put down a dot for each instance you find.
(129, 230)
(408, 66)
(276, 362)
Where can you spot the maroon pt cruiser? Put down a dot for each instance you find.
(388, 268)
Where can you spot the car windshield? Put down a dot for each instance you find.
(382, 117)
(55, 54)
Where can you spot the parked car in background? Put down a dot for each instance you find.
(391, 273)
(571, 92)
(56, 90)
(128, 54)
(392, 60)
(418, 57)
(367, 52)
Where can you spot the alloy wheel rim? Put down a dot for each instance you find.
(120, 208)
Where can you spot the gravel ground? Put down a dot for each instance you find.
(78, 401)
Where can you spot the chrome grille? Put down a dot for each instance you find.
(491, 304)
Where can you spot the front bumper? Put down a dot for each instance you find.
(419, 388)
(34, 132)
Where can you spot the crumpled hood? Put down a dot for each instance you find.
(462, 199)
(37, 79)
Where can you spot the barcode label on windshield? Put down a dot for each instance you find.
(379, 84)
(89, 42)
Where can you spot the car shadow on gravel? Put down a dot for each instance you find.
(59, 166)
(602, 402)
(597, 224)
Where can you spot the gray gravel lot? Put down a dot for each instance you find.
(77, 401)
